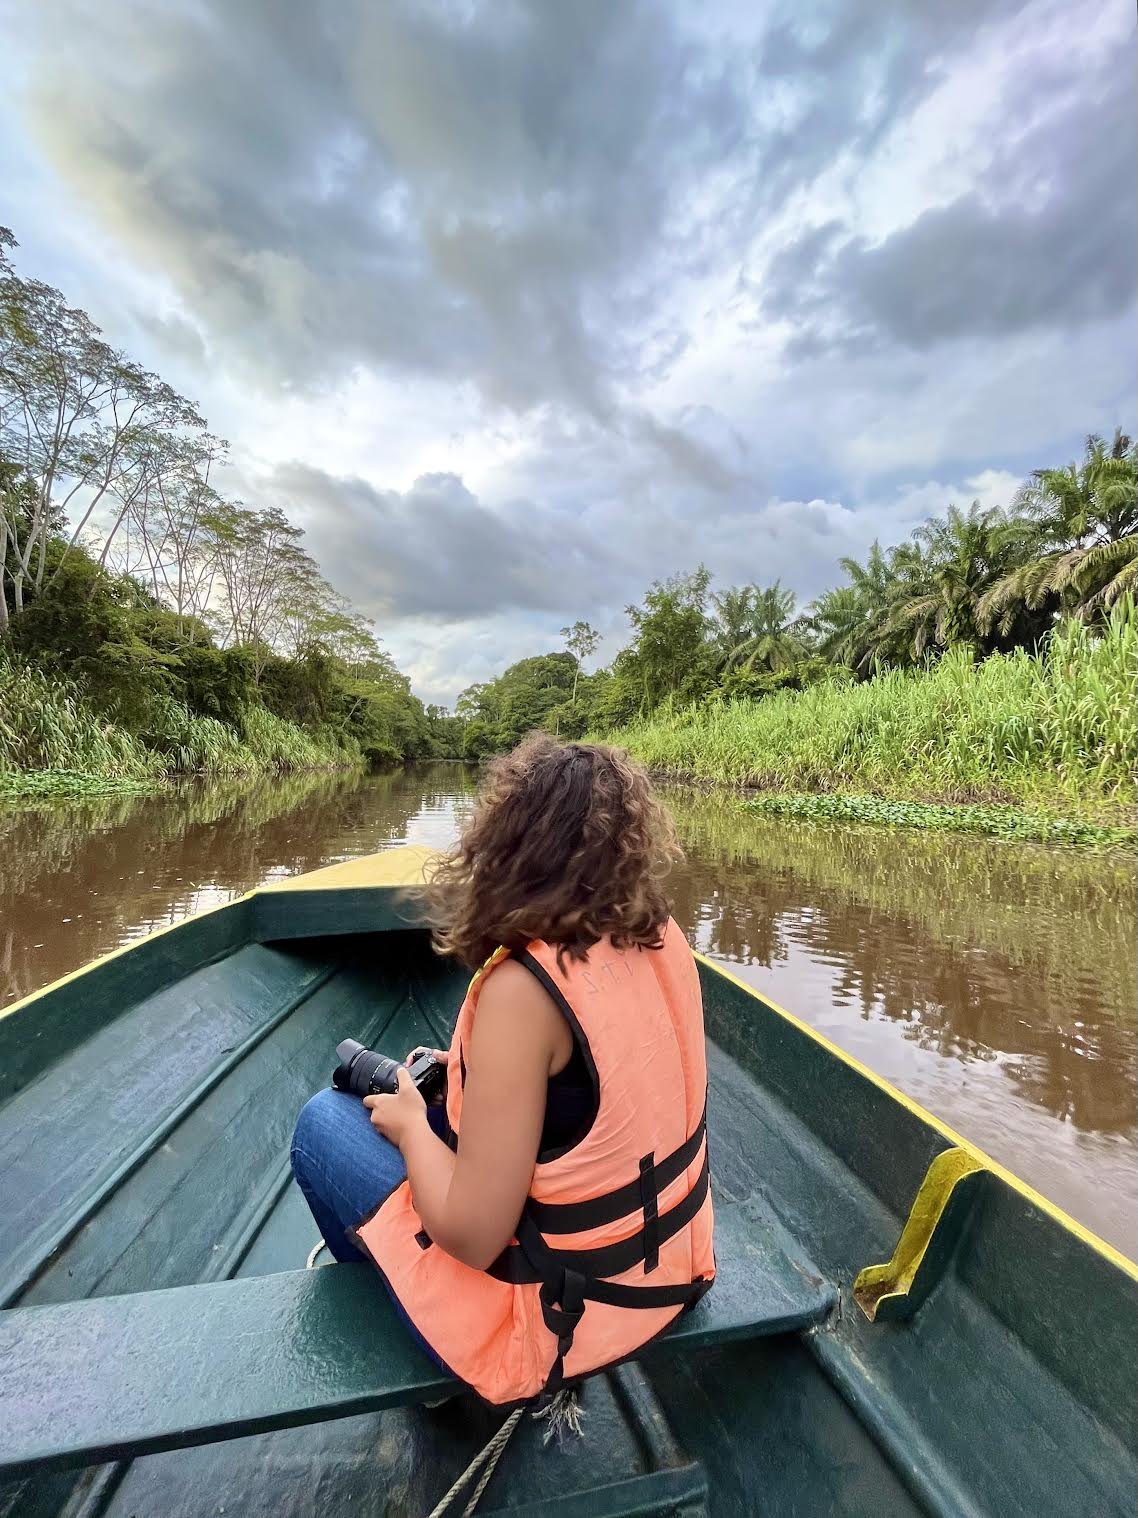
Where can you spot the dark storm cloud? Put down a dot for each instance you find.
(504, 194)
(1047, 237)
(436, 550)
(490, 198)
(438, 554)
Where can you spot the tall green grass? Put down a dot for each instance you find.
(1053, 731)
(52, 742)
(279, 745)
(190, 745)
(45, 724)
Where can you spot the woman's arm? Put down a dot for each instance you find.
(470, 1202)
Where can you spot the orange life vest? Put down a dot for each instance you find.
(615, 1239)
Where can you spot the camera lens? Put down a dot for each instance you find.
(363, 1072)
(373, 1072)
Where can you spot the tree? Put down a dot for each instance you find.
(84, 424)
(581, 641)
(756, 628)
(1082, 547)
(165, 538)
(17, 512)
(912, 600)
(734, 609)
(267, 581)
(499, 713)
(446, 731)
(850, 621)
(962, 555)
(671, 655)
(1107, 574)
(120, 562)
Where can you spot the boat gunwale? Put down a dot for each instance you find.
(956, 1139)
(346, 874)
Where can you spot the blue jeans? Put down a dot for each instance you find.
(345, 1168)
(343, 1165)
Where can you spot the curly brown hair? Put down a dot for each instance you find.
(567, 844)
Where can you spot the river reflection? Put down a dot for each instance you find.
(993, 982)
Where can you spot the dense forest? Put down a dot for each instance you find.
(148, 624)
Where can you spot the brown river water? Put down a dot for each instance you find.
(994, 983)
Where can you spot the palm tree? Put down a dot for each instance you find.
(1108, 572)
(756, 628)
(852, 622)
(837, 619)
(1083, 521)
(960, 557)
(733, 612)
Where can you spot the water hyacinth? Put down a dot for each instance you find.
(993, 821)
(45, 785)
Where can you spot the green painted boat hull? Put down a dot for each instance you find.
(145, 1115)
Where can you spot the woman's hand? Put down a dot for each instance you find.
(441, 1055)
(396, 1115)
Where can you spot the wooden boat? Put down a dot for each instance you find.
(899, 1325)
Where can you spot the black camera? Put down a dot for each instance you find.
(362, 1072)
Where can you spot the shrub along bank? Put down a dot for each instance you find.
(53, 740)
(1055, 733)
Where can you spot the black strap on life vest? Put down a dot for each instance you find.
(649, 1201)
(532, 1259)
(580, 1217)
(571, 1277)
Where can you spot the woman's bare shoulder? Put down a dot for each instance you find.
(515, 1008)
(512, 985)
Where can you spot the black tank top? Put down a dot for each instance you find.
(569, 1104)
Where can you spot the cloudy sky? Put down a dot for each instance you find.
(517, 305)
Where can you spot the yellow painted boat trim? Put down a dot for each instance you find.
(880, 1283)
(1029, 1193)
(402, 867)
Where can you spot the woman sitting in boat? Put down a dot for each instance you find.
(555, 1214)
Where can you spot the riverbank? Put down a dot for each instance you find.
(1016, 746)
(53, 741)
(75, 785)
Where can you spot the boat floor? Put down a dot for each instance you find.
(181, 1175)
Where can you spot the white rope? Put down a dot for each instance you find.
(314, 1254)
(488, 1457)
(563, 1412)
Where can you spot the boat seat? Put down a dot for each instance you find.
(108, 1377)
